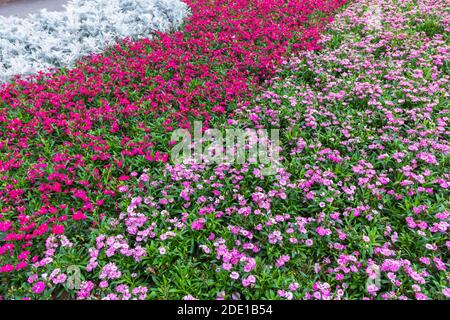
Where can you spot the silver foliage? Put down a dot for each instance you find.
(54, 39)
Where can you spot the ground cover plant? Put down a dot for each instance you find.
(69, 139)
(358, 209)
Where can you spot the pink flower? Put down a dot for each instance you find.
(39, 287)
(78, 216)
(427, 157)
(293, 286)
(323, 231)
(234, 275)
(446, 292)
(421, 296)
(372, 289)
(249, 281)
(198, 224)
(57, 229)
(281, 261)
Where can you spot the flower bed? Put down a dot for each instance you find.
(358, 210)
(70, 138)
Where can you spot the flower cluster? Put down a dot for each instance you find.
(358, 208)
(70, 139)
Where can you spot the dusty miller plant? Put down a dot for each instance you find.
(55, 39)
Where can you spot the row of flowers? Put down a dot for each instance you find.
(70, 138)
(359, 208)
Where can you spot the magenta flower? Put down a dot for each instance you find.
(198, 224)
(38, 287)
